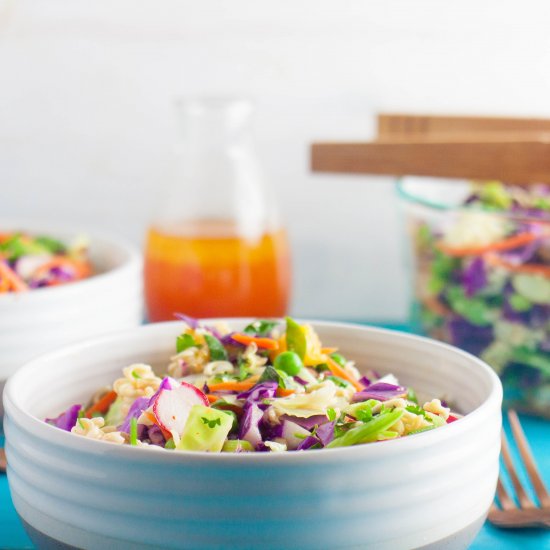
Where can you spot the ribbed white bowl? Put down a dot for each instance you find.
(43, 319)
(427, 490)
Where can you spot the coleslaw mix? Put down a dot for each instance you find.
(483, 284)
(272, 387)
(30, 262)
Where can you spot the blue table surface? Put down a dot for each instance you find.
(12, 534)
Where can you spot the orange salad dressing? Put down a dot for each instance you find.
(206, 270)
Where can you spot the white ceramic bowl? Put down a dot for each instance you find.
(43, 319)
(431, 490)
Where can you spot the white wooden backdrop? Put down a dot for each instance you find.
(86, 118)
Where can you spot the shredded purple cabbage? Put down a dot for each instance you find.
(66, 420)
(307, 423)
(365, 381)
(307, 443)
(325, 433)
(300, 381)
(138, 406)
(250, 424)
(261, 391)
(195, 324)
(190, 321)
(469, 337)
(380, 391)
(474, 277)
(155, 436)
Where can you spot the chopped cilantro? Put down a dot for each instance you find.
(364, 414)
(340, 382)
(243, 372)
(260, 328)
(217, 351)
(416, 409)
(184, 341)
(322, 367)
(211, 423)
(136, 375)
(331, 414)
(271, 374)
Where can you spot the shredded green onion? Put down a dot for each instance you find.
(133, 431)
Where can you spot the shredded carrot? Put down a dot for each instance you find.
(265, 343)
(531, 269)
(14, 281)
(80, 268)
(152, 418)
(284, 392)
(338, 371)
(4, 285)
(234, 386)
(329, 351)
(505, 244)
(211, 398)
(102, 406)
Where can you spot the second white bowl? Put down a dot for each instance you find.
(43, 319)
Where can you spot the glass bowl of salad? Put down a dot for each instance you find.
(216, 433)
(480, 255)
(59, 285)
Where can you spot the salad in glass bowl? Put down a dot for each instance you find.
(30, 262)
(482, 279)
(271, 387)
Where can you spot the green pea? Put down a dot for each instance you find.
(289, 362)
(340, 359)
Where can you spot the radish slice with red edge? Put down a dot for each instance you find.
(171, 407)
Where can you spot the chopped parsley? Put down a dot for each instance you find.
(217, 351)
(211, 423)
(364, 414)
(260, 328)
(340, 382)
(185, 341)
(416, 409)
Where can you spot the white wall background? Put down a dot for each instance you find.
(86, 116)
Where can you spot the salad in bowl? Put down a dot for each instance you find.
(482, 277)
(271, 387)
(35, 261)
(121, 488)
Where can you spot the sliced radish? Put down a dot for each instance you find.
(171, 407)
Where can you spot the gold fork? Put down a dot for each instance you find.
(527, 514)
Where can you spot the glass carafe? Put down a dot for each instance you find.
(215, 247)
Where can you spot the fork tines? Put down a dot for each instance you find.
(528, 514)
